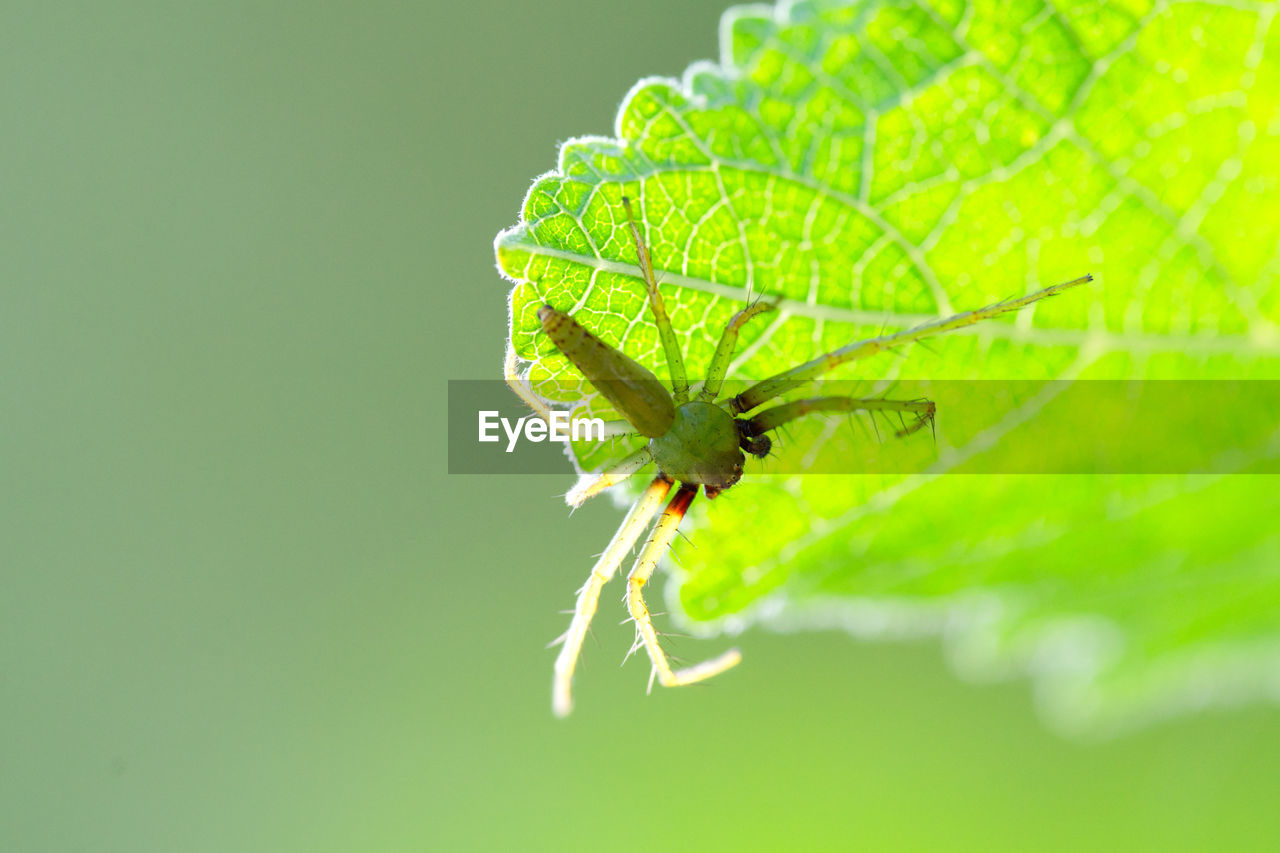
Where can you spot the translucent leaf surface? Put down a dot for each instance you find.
(875, 165)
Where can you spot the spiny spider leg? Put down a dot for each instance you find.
(663, 532)
(591, 485)
(642, 512)
(719, 366)
(770, 388)
(675, 361)
(617, 429)
(776, 416)
(520, 385)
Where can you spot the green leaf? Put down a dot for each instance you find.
(879, 164)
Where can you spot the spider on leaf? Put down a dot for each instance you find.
(696, 440)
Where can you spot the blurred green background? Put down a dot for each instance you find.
(243, 607)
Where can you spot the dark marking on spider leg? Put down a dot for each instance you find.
(756, 444)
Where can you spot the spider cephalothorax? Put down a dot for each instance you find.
(696, 439)
(703, 447)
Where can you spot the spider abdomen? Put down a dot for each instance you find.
(701, 447)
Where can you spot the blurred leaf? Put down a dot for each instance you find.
(879, 164)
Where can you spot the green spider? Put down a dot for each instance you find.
(695, 440)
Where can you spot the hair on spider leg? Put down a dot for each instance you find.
(785, 433)
(678, 660)
(573, 507)
(857, 418)
(900, 352)
(688, 540)
(933, 426)
(635, 647)
(671, 554)
(851, 418)
(871, 416)
(672, 640)
(927, 347)
(775, 300)
(558, 640)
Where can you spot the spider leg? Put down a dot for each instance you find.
(772, 387)
(776, 416)
(663, 532)
(675, 361)
(719, 366)
(617, 429)
(590, 485)
(642, 511)
(521, 386)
